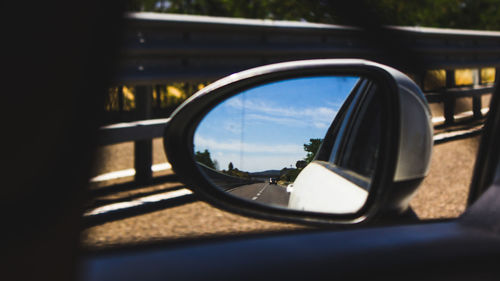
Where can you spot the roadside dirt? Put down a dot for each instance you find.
(120, 156)
(443, 194)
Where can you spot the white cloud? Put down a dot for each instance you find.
(320, 125)
(257, 163)
(336, 104)
(277, 120)
(255, 157)
(236, 145)
(232, 126)
(320, 117)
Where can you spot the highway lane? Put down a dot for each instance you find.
(263, 192)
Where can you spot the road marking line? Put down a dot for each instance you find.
(259, 193)
(129, 172)
(138, 202)
(452, 134)
(113, 175)
(161, 167)
(461, 115)
(137, 123)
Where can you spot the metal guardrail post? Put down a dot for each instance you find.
(449, 101)
(157, 99)
(143, 149)
(477, 100)
(120, 102)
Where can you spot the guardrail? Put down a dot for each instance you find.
(224, 181)
(448, 98)
(132, 131)
(161, 48)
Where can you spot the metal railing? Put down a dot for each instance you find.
(161, 48)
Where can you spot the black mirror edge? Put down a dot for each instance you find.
(178, 138)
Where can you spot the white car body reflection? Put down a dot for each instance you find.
(319, 189)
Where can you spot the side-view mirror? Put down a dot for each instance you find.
(320, 141)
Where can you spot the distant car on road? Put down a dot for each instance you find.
(289, 187)
(273, 181)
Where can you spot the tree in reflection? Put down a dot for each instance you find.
(205, 159)
(301, 164)
(234, 172)
(288, 175)
(312, 148)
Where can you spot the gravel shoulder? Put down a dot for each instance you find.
(443, 194)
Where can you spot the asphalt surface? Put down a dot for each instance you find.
(265, 193)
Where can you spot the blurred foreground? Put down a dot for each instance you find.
(443, 194)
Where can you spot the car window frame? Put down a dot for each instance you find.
(345, 122)
(354, 126)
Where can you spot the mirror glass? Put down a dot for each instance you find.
(308, 143)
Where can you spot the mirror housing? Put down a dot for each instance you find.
(404, 154)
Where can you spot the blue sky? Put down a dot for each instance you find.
(265, 128)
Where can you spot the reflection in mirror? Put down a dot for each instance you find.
(307, 143)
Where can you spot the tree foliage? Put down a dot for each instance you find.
(257, 9)
(312, 148)
(467, 14)
(470, 14)
(300, 164)
(234, 172)
(289, 175)
(205, 159)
